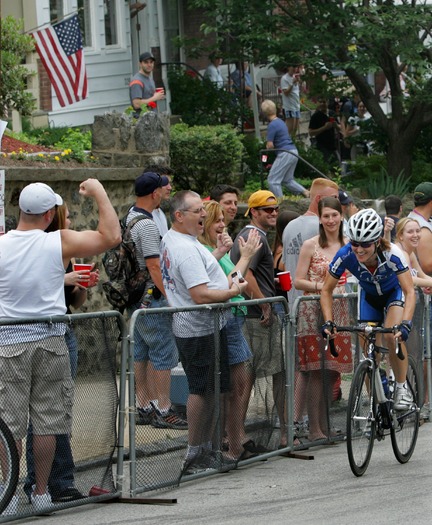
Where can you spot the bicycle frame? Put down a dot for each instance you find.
(370, 412)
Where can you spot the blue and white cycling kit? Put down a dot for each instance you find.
(378, 290)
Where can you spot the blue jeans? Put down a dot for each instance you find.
(62, 470)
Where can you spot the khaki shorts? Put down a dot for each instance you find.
(266, 345)
(37, 383)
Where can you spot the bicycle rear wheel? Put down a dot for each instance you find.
(9, 462)
(404, 433)
(360, 419)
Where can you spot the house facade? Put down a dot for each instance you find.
(114, 33)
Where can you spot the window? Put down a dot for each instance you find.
(85, 22)
(110, 17)
(56, 11)
(172, 30)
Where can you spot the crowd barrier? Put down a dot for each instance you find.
(114, 454)
(92, 459)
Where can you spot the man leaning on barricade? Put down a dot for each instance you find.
(36, 380)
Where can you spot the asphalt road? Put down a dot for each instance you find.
(285, 490)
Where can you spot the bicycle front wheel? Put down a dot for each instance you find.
(360, 419)
(9, 461)
(405, 431)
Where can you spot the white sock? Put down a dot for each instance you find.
(401, 385)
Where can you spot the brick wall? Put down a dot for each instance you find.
(45, 101)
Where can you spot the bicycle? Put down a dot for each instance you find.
(9, 461)
(370, 412)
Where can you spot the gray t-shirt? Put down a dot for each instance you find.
(290, 102)
(186, 263)
(141, 86)
(295, 234)
(261, 265)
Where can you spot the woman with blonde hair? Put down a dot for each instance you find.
(219, 243)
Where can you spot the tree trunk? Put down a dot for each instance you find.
(399, 157)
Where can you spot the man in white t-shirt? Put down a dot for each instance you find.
(35, 381)
(191, 276)
(290, 86)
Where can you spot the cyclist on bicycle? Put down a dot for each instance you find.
(386, 289)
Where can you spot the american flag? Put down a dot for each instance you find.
(61, 51)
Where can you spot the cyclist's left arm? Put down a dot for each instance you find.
(407, 285)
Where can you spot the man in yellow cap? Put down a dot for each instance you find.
(263, 326)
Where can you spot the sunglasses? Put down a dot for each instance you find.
(355, 244)
(269, 209)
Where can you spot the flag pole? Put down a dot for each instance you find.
(55, 21)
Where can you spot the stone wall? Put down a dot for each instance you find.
(124, 146)
(119, 140)
(119, 184)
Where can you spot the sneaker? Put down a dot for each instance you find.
(41, 502)
(144, 417)
(67, 494)
(301, 429)
(168, 420)
(12, 507)
(425, 412)
(403, 399)
(208, 461)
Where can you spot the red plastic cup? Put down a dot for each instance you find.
(285, 281)
(343, 279)
(97, 491)
(83, 268)
(160, 90)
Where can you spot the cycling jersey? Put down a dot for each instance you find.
(384, 279)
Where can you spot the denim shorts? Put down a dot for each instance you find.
(291, 114)
(238, 348)
(154, 339)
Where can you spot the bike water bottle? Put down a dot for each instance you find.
(384, 382)
(379, 387)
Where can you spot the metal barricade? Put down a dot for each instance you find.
(157, 454)
(90, 459)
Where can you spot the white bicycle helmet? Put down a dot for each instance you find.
(365, 226)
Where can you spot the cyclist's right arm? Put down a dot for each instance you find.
(326, 300)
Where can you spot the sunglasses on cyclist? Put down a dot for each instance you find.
(355, 244)
(269, 209)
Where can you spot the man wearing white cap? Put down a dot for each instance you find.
(32, 266)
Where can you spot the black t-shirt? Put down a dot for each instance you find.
(326, 139)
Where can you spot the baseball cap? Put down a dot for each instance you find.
(423, 193)
(145, 56)
(148, 182)
(344, 198)
(261, 198)
(38, 198)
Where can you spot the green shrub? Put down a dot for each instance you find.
(313, 157)
(384, 185)
(47, 136)
(202, 156)
(199, 102)
(251, 157)
(76, 140)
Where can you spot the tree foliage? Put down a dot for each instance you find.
(14, 75)
(358, 37)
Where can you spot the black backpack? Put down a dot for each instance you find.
(127, 282)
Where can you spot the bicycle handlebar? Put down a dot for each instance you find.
(368, 330)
